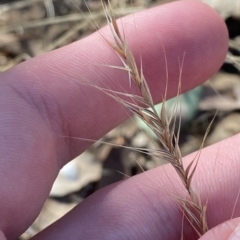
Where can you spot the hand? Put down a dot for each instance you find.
(43, 98)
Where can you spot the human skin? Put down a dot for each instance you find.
(44, 99)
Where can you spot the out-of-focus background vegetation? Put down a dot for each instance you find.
(29, 28)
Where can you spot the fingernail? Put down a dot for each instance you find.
(236, 234)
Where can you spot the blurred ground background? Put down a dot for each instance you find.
(29, 28)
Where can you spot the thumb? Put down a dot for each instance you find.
(229, 230)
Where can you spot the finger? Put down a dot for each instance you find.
(144, 206)
(54, 80)
(228, 230)
(42, 99)
(2, 237)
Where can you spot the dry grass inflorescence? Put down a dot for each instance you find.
(163, 126)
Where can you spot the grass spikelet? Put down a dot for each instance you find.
(192, 207)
